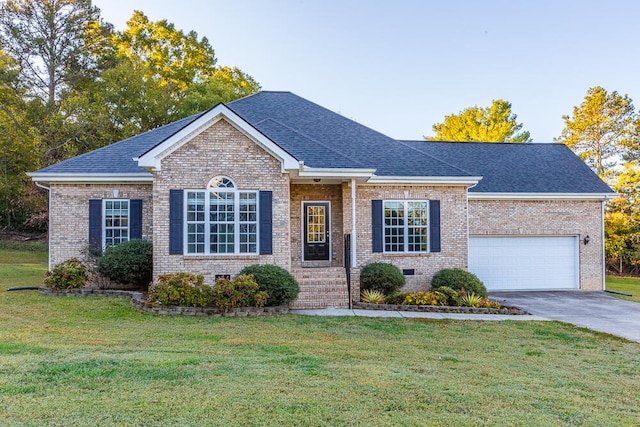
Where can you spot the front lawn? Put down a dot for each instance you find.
(97, 361)
(627, 285)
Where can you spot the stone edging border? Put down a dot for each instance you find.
(439, 309)
(138, 301)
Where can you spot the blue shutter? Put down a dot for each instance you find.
(376, 224)
(135, 219)
(434, 225)
(176, 206)
(95, 224)
(266, 223)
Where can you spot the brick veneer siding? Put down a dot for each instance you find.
(220, 150)
(547, 218)
(316, 192)
(69, 215)
(453, 218)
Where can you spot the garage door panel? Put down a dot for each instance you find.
(525, 263)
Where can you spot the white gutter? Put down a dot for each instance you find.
(541, 196)
(604, 277)
(90, 178)
(425, 180)
(49, 226)
(305, 171)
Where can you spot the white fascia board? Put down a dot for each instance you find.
(152, 159)
(541, 196)
(425, 180)
(90, 178)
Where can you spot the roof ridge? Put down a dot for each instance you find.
(311, 139)
(433, 157)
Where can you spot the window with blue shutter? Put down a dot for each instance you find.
(405, 226)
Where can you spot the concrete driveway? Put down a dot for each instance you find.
(589, 309)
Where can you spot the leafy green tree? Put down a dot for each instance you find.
(495, 123)
(53, 41)
(170, 56)
(602, 129)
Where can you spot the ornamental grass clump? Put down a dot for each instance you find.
(458, 279)
(372, 297)
(182, 289)
(381, 276)
(243, 291)
(70, 274)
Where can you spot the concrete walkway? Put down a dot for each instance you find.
(594, 310)
(411, 314)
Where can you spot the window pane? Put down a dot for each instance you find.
(222, 238)
(116, 222)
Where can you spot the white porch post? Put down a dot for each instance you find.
(354, 262)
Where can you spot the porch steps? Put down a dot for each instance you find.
(321, 287)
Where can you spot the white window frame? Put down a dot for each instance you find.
(233, 189)
(104, 222)
(405, 227)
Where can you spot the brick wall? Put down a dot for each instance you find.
(549, 218)
(220, 150)
(69, 215)
(316, 192)
(453, 217)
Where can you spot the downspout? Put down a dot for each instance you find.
(468, 188)
(49, 226)
(354, 261)
(604, 277)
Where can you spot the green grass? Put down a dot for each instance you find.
(97, 361)
(627, 285)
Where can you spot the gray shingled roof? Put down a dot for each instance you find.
(117, 158)
(518, 168)
(324, 139)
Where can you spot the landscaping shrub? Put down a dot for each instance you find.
(130, 262)
(458, 279)
(372, 297)
(70, 274)
(383, 277)
(243, 291)
(452, 296)
(281, 286)
(180, 289)
(425, 298)
(394, 298)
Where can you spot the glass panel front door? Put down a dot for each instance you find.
(316, 231)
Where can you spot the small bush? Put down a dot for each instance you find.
(383, 277)
(130, 262)
(394, 298)
(451, 295)
(70, 274)
(281, 286)
(458, 279)
(372, 297)
(180, 289)
(243, 291)
(425, 298)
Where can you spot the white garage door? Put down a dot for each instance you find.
(525, 263)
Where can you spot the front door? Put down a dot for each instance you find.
(316, 246)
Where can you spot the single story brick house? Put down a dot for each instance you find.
(274, 178)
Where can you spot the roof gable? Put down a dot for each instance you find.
(152, 158)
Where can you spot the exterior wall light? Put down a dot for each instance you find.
(586, 239)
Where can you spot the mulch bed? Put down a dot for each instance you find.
(439, 309)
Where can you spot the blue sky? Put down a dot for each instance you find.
(399, 66)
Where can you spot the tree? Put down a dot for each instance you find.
(169, 56)
(53, 41)
(602, 129)
(495, 123)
